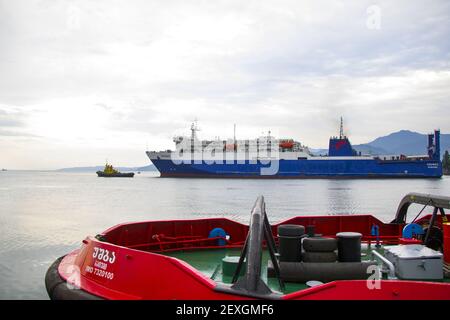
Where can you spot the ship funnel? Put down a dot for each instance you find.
(437, 144)
(434, 145)
(430, 145)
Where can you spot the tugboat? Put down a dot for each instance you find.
(109, 171)
(351, 257)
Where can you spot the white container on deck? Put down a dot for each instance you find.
(415, 262)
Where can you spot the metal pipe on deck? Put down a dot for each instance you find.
(389, 264)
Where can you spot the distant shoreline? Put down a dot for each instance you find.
(97, 168)
(149, 168)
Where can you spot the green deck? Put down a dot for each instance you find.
(209, 262)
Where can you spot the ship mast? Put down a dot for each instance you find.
(194, 129)
(341, 131)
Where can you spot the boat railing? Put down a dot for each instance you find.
(438, 202)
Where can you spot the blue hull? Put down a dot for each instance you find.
(310, 168)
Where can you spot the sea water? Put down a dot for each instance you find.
(44, 215)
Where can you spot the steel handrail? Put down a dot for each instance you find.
(389, 264)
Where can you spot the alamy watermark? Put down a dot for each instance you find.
(73, 17)
(373, 282)
(74, 280)
(373, 21)
(264, 152)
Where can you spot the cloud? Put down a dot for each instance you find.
(10, 133)
(123, 74)
(7, 120)
(13, 123)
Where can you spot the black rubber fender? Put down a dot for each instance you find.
(57, 288)
(304, 271)
(319, 256)
(318, 244)
(291, 230)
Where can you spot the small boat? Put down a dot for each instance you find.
(109, 171)
(352, 257)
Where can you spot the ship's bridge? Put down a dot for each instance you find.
(341, 147)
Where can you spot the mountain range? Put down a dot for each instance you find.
(401, 142)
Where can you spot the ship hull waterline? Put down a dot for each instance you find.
(303, 169)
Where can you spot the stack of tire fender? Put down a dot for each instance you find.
(318, 249)
(322, 259)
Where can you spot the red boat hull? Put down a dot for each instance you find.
(128, 264)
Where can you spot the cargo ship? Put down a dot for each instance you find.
(268, 157)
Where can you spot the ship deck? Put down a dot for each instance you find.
(209, 263)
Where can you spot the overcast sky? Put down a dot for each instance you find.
(86, 81)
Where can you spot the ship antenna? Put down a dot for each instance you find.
(341, 131)
(234, 133)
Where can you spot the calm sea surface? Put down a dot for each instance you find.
(43, 215)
